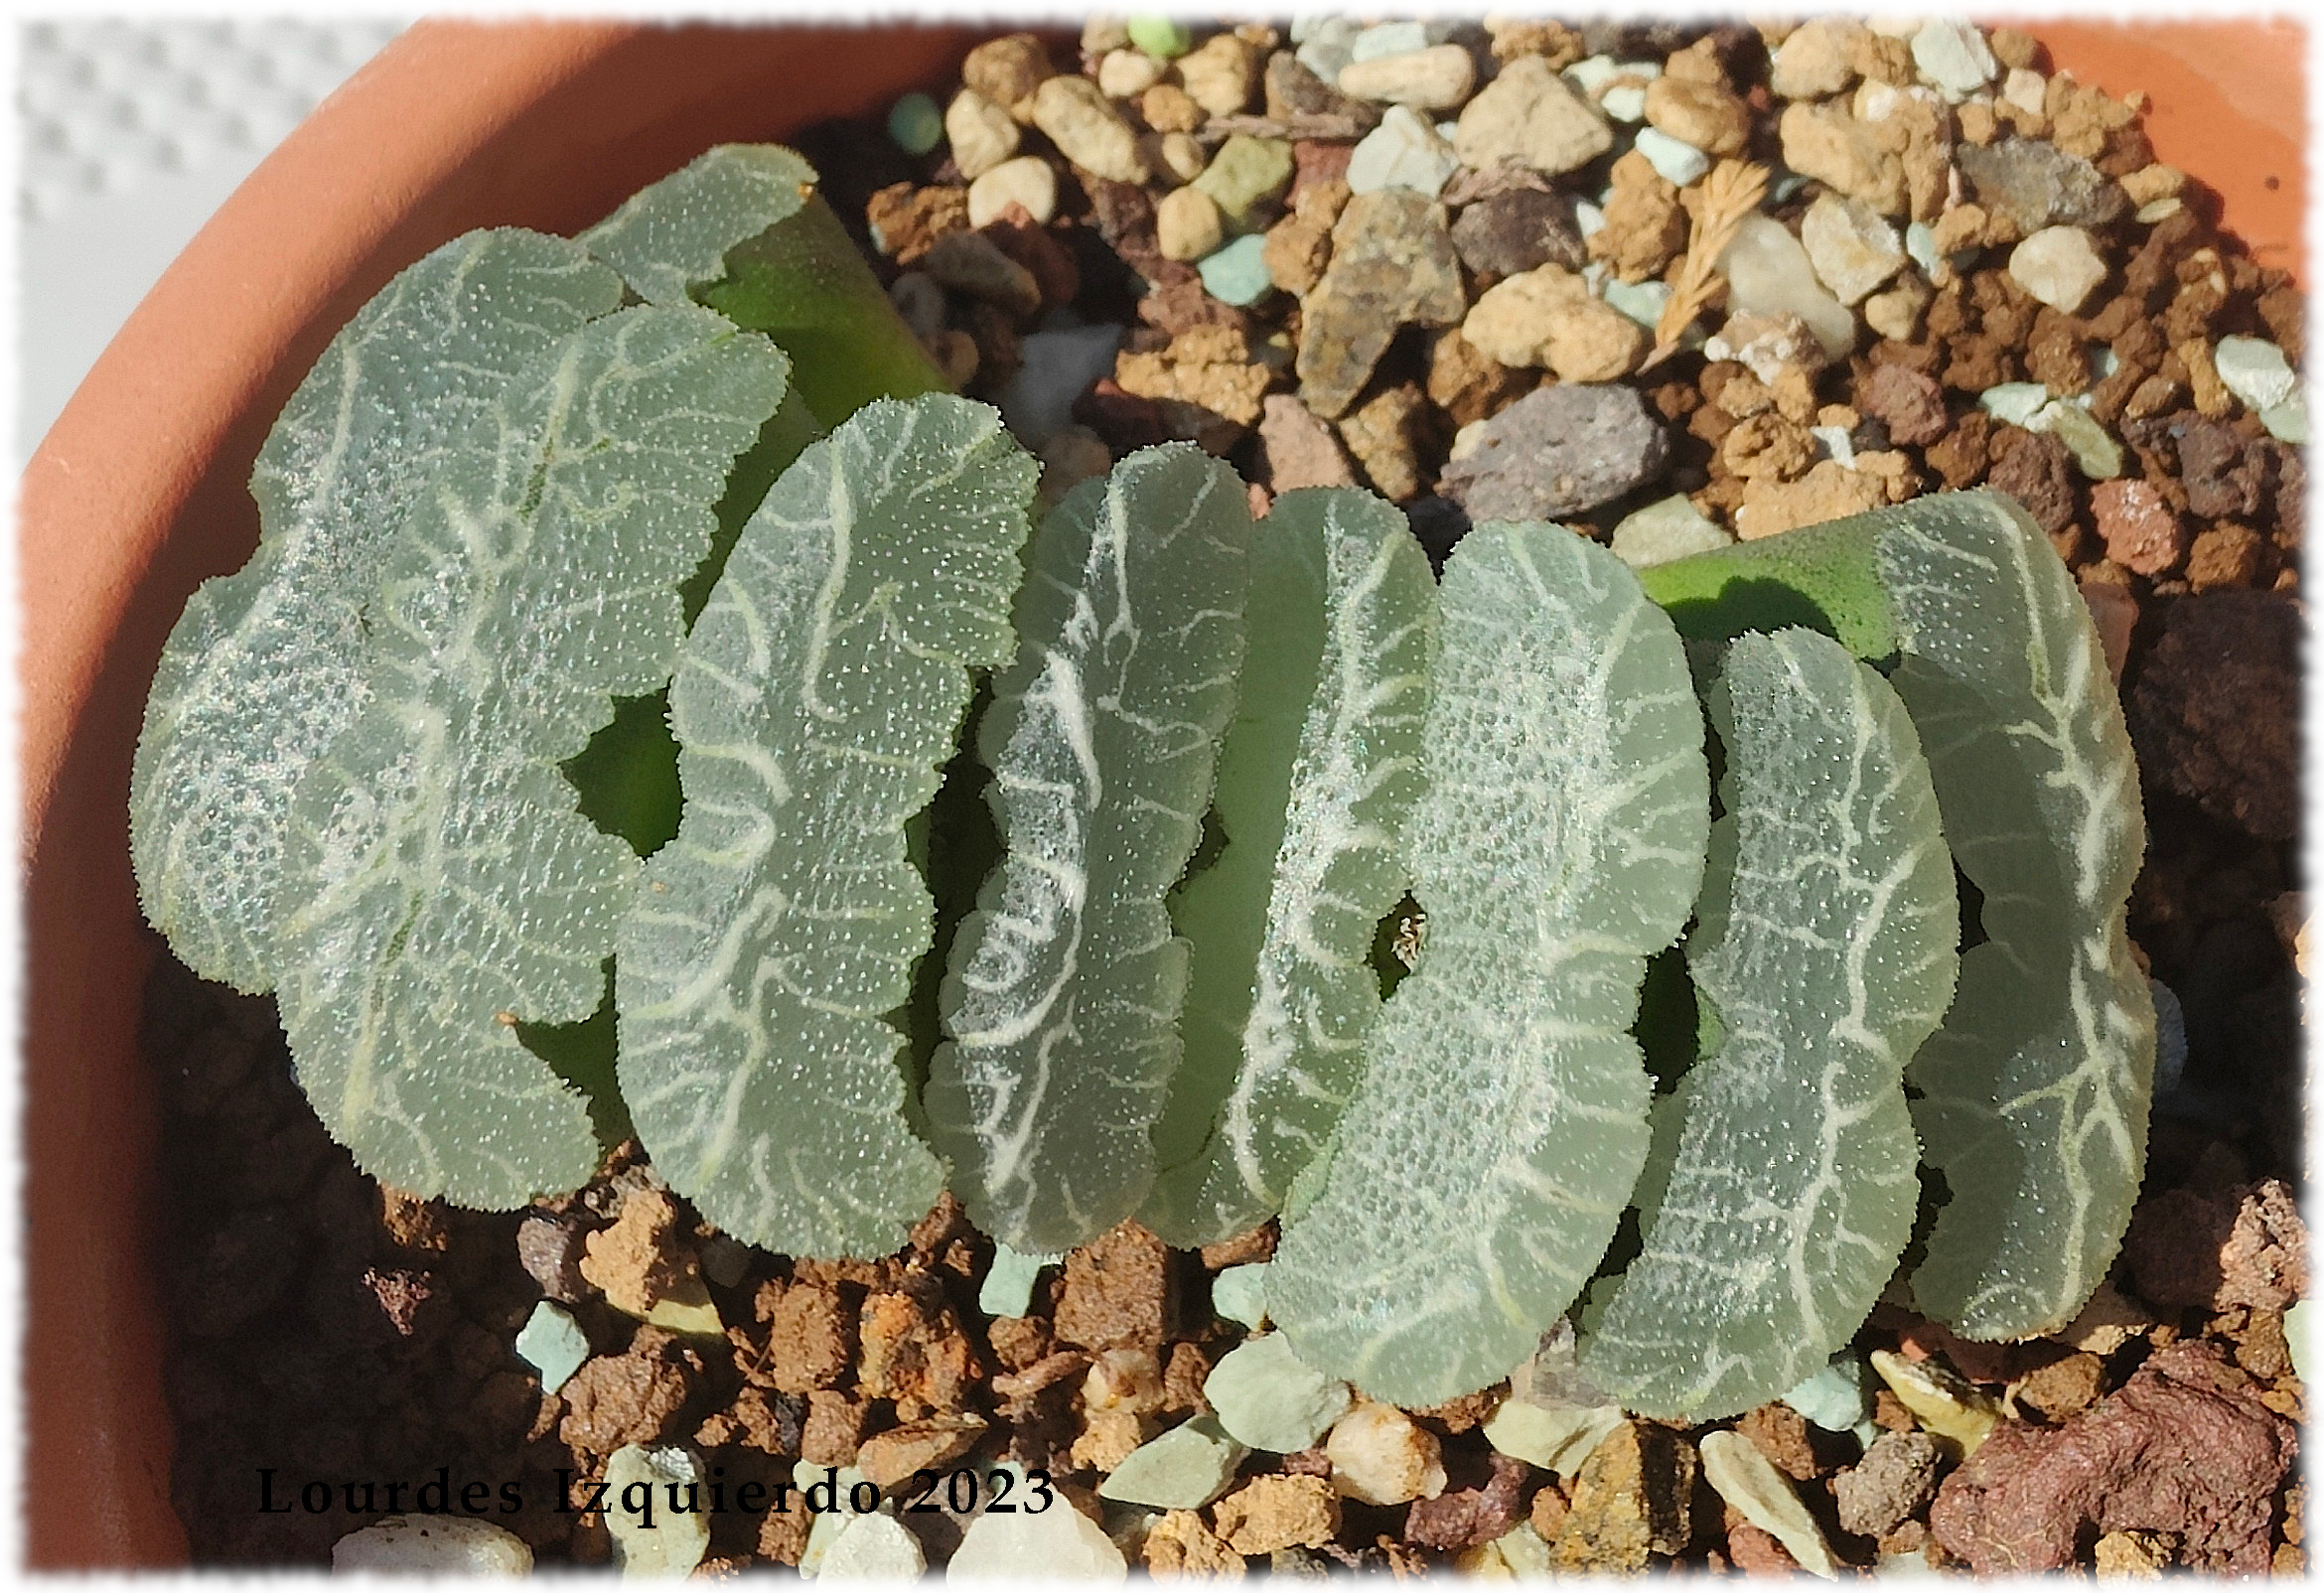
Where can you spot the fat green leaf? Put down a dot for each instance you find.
(1479, 1172)
(672, 236)
(440, 884)
(1825, 940)
(265, 666)
(1063, 997)
(2034, 1092)
(1318, 771)
(816, 700)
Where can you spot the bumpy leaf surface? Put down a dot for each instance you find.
(673, 235)
(264, 666)
(1064, 992)
(440, 884)
(1318, 771)
(1478, 1173)
(2035, 1091)
(816, 701)
(1825, 941)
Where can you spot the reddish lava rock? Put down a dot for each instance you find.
(1117, 1293)
(2139, 530)
(2241, 1247)
(2182, 1449)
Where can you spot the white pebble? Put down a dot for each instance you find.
(1028, 181)
(2026, 88)
(1666, 529)
(982, 134)
(432, 1545)
(2058, 266)
(1381, 1456)
(1403, 151)
(1058, 1544)
(1762, 1496)
(1625, 102)
(1127, 74)
(1953, 56)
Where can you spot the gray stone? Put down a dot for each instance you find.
(1184, 1468)
(1300, 451)
(1268, 1399)
(431, 1545)
(2035, 184)
(1530, 113)
(1560, 450)
(1896, 1477)
(1392, 264)
(1517, 229)
(1403, 151)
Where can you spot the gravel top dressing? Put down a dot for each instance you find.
(1675, 288)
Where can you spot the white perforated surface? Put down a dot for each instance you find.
(131, 133)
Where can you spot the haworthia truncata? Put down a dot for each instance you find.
(2034, 1092)
(440, 886)
(267, 665)
(1478, 1173)
(1317, 774)
(814, 703)
(1783, 1186)
(1063, 997)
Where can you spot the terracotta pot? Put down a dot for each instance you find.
(137, 495)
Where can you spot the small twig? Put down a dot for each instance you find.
(1731, 192)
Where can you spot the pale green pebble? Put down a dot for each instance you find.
(1007, 1290)
(1642, 302)
(2014, 404)
(1524, 1552)
(1835, 1398)
(917, 125)
(1666, 529)
(676, 1540)
(1920, 242)
(1587, 217)
(553, 1345)
(2295, 1337)
(1184, 1468)
(1555, 1438)
(2254, 370)
(824, 1532)
(1267, 1397)
(2094, 451)
(873, 1548)
(1390, 39)
(1589, 73)
(1626, 103)
(1245, 174)
(1238, 273)
(2287, 422)
(1679, 161)
(1163, 38)
(1240, 1294)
